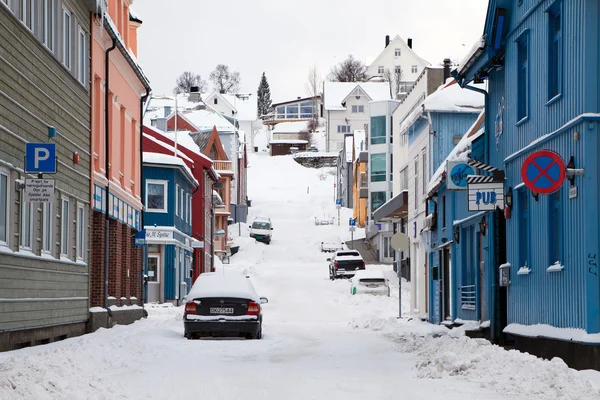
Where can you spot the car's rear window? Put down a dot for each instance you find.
(348, 253)
(260, 225)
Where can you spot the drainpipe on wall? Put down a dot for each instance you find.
(106, 164)
(212, 227)
(143, 191)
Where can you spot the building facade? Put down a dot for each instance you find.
(346, 108)
(45, 99)
(543, 96)
(169, 184)
(119, 88)
(398, 64)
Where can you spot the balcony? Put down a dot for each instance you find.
(223, 166)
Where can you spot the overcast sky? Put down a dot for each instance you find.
(285, 37)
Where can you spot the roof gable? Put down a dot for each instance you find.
(396, 43)
(214, 147)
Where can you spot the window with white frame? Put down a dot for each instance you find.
(398, 69)
(358, 109)
(156, 195)
(344, 129)
(48, 23)
(80, 232)
(397, 52)
(190, 203)
(413, 69)
(64, 229)
(81, 56)
(424, 171)
(176, 200)
(26, 224)
(380, 70)
(182, 200)
(28, 13)
(4, 204)
(187, 202)
(47, 227)
(67, 38)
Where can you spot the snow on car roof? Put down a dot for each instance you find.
(368, 274)
(219, 284)
(349, 258)
(347, 253)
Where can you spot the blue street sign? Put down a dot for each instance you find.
(40, 158)
(140, 238)
(352, 221)
(338, 201)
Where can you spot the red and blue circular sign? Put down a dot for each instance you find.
(543, 172)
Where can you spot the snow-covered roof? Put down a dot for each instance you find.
(184, 139)
(219, 284)
(449, 97)
(207, 119)
(291, 127)
(291, 141)
(453, 98)
(180, 154)
(157, 104)
(468, 59)
(244, 104)
(460, 152)
(163, 159)
(335, 92)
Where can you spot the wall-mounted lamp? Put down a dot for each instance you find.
(456, 235)
(76, 158)
(509, 197)
(483, 226)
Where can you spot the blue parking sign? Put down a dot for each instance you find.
(352, 221)
(338, 201)
(40, 158)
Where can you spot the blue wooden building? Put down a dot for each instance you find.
(457, 287)
(169, 185)
(541, 60)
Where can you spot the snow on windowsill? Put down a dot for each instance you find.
(112, 298)
(98, 310)
(556, 267)
(485, 324)
(524, 271)
(552, 332)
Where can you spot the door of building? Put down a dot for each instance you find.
(446, 313)
(154, 273)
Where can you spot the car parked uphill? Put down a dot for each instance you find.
(262, 230)
(370, 282)
(345, 264)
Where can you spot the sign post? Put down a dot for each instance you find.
(352, 227)
(400, 242)
(338, 205)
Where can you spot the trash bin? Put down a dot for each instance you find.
(256, 149)
(249, 202)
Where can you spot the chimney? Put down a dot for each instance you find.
(168, 111)
(387, 40)
(409, 43)
(447, 65)
(299, 97)
(195, 95)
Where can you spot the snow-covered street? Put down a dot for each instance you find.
(320, 342)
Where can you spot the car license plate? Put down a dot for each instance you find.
(259, 237)
(221, 310)
(373, 285)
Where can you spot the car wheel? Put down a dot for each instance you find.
(259, 333)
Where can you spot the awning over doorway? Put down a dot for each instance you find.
(396, 208)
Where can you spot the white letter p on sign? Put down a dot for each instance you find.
(41, 154)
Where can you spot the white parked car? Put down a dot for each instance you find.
(262, 230)
(370, 281)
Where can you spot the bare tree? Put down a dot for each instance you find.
(308, 136)
(225, 81)
(313, 87)
(349, 70)
(187, 80)
(395, 80)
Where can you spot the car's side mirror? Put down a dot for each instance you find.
(250, 226)
(329, 259)
(264, 300)
(271, 228)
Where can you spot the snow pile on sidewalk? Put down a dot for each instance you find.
(443, 353)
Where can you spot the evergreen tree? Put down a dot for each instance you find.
(264, 97)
